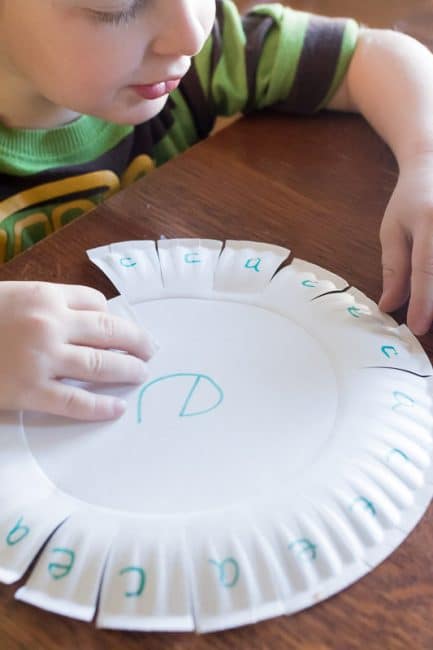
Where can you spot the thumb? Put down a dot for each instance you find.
(396, 265)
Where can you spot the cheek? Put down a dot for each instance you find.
(99, 67)
(208, 11)
(90, 73)
(94, 67)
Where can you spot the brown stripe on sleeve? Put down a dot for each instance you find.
(317, 64)
(256, 29)
(217, 36)
(199, 104)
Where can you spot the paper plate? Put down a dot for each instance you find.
(279, 451)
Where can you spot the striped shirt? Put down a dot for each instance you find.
(272, 57)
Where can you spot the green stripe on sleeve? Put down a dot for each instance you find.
(281, 54)
(350, 39)
(203, 65)
(229, 87)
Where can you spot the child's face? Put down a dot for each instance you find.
(90, 55)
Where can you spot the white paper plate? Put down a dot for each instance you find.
(279, 451)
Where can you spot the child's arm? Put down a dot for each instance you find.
(50, 331)
(390, 81)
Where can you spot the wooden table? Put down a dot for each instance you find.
(318, 186)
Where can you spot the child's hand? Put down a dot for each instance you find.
(407, 244)
(49, 332)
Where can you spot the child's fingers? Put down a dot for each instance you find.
(395, 267)
(90, 364)
(70, 401)
(420, 313)
(104, 330)
(81, 297)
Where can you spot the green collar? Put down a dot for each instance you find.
(29, 151)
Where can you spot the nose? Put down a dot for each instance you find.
(181, 32)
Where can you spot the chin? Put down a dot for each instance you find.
(142, 111)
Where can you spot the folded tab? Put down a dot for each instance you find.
(145, 584)
(133, 267)
(68, 574)
(235, 577)
(188, 265)
(247, 266)
(24, 531)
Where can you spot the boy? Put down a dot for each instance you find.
(86, 107)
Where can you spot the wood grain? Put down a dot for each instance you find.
(318, 186)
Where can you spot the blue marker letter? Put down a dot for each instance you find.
(253, 264)
(192, 258)
(229, 565)
(58, 570)
(365, 503)
(17, 533)
(141, 575)
(198, 380)
(389, 350)
(128, 262)
(309, 283)
(304, 548)
(401, 399)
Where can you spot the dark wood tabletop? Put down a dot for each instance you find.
(318, 186)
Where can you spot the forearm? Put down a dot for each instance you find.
(390, 81)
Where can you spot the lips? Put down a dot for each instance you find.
(156, 90)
